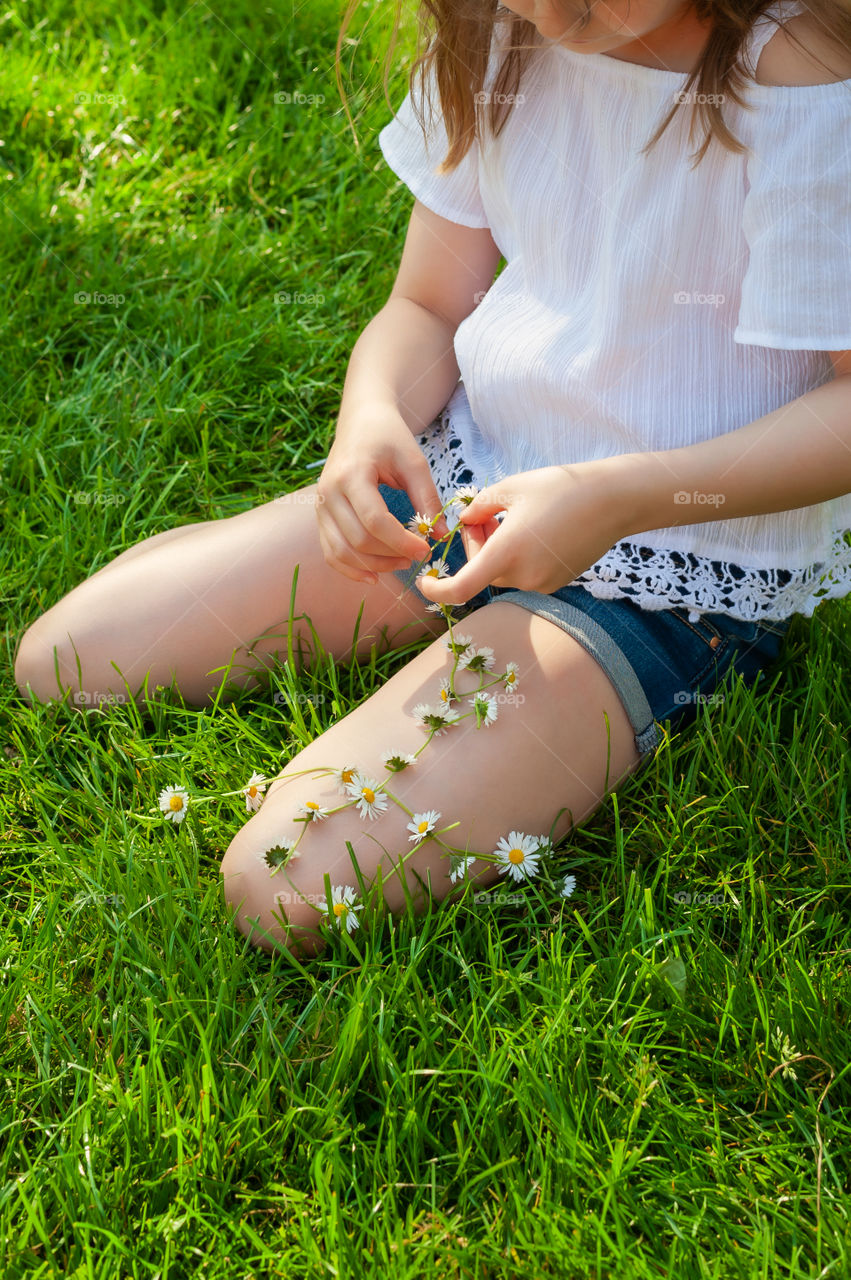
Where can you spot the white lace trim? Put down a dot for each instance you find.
(655, 578)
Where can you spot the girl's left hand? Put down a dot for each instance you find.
(558, 521)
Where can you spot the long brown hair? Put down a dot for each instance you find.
(455, 36)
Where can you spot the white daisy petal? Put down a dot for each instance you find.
(423, 824)
(437, 569)
(474, 659)
(344, 776)
(344, 905)
(437, 719)
(312, 811)
(174, 801)
(511, 679)
(420, 524)
(253, 791)
(278, 854)
(372, 801)
(456, 643)
(421, 713)
(445, 697)
(517, 856)
(459, 865)
(569, 886)
(486, 709)
(396, 761)
(465, 494)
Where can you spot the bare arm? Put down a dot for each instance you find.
(403, 360)
(401, 373)
(797, 456)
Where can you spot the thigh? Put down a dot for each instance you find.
(147, 544)
(186, 607)
(548, 752)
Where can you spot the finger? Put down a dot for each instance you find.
(420, 488)
(485, 505)
(333, 562)
(474, 536)
(484, 568)
(343, 553)
(378, 523)
(354, 538)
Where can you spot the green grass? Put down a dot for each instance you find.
(487, 1090)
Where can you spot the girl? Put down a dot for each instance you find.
(654, 403)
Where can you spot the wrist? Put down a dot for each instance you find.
(642, 489)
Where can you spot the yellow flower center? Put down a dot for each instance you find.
(431, 573)
(252, 791)
(422, 527)
(369, 796)
(444, 695)
(511, 678)
(516, 855)
(175, 803)
(347, 775)
(340, 908)
(423, 826)
(311, 804)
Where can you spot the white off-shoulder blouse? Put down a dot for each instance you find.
(646, 305)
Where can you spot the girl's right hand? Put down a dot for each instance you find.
(358, 535)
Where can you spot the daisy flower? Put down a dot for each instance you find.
(465, 494)
(423, 824)
(253, 792)
(174, 802)
(438, 719)
(344, 906)
(420, 524)
(437, 569)
(436, 607)
(569, 886)
(517, 855)
(543, 843)
(457, 644)
(445, 695)
(459, 865)
(396, 761)
(344, 776)
(485, 708)
(311, 811)
(511, 679)
(474, 659)
(278, 854)
(371, 801)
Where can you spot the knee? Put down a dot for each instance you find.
(270, 910)
(39, 651)
(61, 651)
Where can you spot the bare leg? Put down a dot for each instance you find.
(546, 754)
(188, 600)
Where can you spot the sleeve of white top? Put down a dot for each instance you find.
(414, 158)
(796, 291)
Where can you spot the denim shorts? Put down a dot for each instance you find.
(661, 665)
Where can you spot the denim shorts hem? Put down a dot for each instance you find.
(603, 649)
(662, 665)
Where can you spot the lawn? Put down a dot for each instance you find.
(649, 1078)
